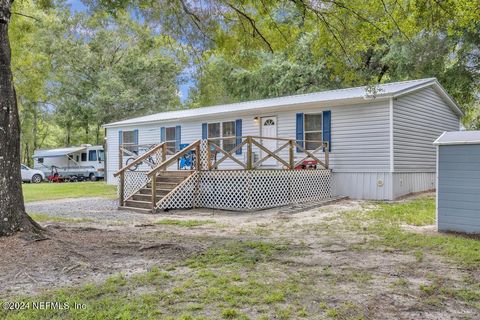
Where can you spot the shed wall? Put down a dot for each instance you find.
(459, 188)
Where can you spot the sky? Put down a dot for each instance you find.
(184, 88)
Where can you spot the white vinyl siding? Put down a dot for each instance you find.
(418, 119)
(360, 136)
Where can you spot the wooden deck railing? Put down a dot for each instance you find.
(216, 155)
(288, 162)
(138, 159)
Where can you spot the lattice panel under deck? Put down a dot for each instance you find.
(249, 190)
(222, 189)
(134, 181)
(183, 196)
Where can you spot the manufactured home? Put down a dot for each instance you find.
(362, 142)
(86, 161)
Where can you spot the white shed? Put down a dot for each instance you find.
(458, 181)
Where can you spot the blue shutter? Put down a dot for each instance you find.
(299, 130)
(204, 131)
(178, 137)
(238, 134)
(120, 137)
(327, 128)
(162, 134)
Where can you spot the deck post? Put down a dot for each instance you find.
(197, 157)
(209, 156)
(121, 181)
(327, 156)
(249, 153)
(164, 152)
(291, 155)
(121, 188)
(154, 192)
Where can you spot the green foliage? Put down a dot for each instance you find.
(261, 49)
(75, 72)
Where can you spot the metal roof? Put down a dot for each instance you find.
(458, 137)
(53, 153)
(332, 96)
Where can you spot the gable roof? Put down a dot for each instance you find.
(340, 96)
(458, 137)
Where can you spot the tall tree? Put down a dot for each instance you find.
(13, 217)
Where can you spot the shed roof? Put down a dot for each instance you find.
(339, 96)
(458, 137)
(53, 153)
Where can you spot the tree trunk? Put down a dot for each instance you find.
(13, 217)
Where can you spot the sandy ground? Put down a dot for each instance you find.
(121, 241)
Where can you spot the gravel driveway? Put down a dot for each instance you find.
(100, 209)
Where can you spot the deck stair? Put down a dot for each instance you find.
(166, 181)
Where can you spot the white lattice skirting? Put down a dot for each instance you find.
(249, 190)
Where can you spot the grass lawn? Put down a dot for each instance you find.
(299, 270)
(389, 220)
(51, 191)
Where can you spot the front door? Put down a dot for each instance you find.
(269, 129)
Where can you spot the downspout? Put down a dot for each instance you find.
(105, 153)
(392, 162)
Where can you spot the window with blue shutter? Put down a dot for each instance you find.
(162, 134)
(299, 130)
(120, 137)
(238, 133)
(204, 130)
(135, 136)
(327, 128)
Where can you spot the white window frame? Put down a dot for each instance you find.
(222, 137)
(311, 131)
(130, 146)
(174, 141)
(123, 138)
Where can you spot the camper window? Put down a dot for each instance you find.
(92, 155)
(84, 156)
(101, 155)
(313, 130)
(78, 158)
(170, 139)
(40, 160)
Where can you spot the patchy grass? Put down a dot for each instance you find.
(386, 222)
(40, 217)
(52, 191)
(419, 212)
(232, 281)
(185, 223)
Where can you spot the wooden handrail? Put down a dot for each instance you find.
(264, 138)
(139, 159)
(175, 157)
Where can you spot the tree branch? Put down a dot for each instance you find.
(253, 25)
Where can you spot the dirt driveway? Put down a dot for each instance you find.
(337, 274)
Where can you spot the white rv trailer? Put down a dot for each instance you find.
(84, 162)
